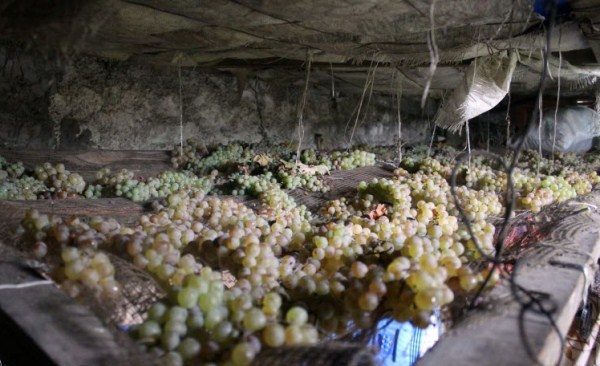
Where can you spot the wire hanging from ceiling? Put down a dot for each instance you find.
(433, 53)
(368, 86)
(540, 120)
(468, 142)
(557, 94)
(332, 82)
(180, 111)
(507, 119)
(430, 147)
(399, 116)
(302, 105)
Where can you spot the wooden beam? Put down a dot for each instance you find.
(68, 333)
(492, 337)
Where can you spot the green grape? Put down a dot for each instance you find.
(274, 335)
(296, 316)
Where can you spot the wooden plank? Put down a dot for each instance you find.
(492, 337)
(342, 183)
(121, 209)
(68, 333)
(143, 163)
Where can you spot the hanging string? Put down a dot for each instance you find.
(180, 112)
(399, 102)
(360, 101)
(537, 165)
(430, 148)
(368, 84)
(508, 121)
(472, 83)
(372, 84)
(557, 94)
(468, 142)
(487, 147)
(302, 105)
(431, 140)
(597, 105)
(18, 286)
(332, 82)
(434, 56)
(56, 133)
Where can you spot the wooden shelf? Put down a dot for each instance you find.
(492, 337)
(65, 331)
(485, 337)
(143, 163)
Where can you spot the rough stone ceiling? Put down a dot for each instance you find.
(344, 37)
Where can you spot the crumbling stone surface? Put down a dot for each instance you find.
(93, 103)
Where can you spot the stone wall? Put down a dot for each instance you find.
(92, 103)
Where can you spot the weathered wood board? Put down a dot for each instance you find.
(492, 337)
(121, 209)
(342, 183)
(144, 163)
(118, 208)
(67, 332)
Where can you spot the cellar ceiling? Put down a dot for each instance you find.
(344, 40)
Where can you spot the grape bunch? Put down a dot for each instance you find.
(224, 155)
(292, 179)
(11, 170)
(191, 151)
(58, 179)
(24, 188)
(123, 184)
(351, 160)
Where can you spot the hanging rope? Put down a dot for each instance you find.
(368, 84)
(557, 94)
(398, 104)
(372, 84)
(434, 55)
(597, 105)
(537, 165)
(508, 121)
(332, 82)
(429, 149)
(56, 133)
(487, 147)
(180, 112)
(468, 142)
(431, 140)
(360, 100)
(18, 286)
(467, 121)
(302, 105)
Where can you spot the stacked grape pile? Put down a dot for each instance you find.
(397, 249)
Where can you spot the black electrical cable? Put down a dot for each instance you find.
(529, 300)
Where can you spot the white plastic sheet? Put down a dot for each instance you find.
(576, 128)
(485, 84)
